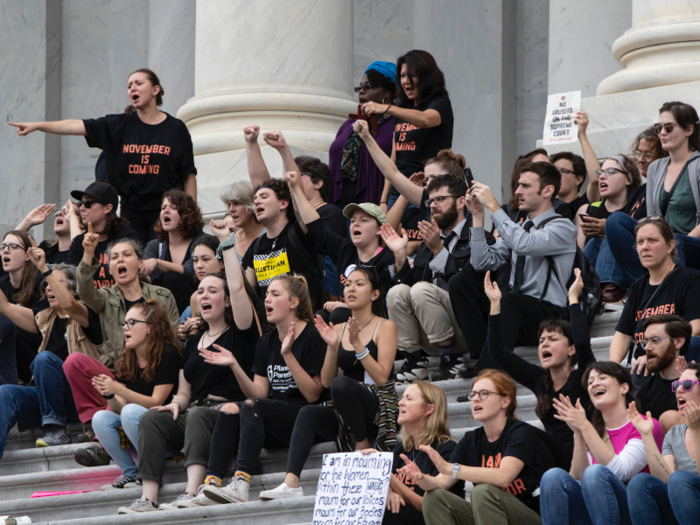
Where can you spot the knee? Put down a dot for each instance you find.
(485, 493)
(340, 387)
(131, 412)
(432, 501)
(42, 361)
(150, 420)
(230, 408)
(420, 291)
(74, 363)
(681, 481)
(398, 294)
(594, 475)
(104, 419)
(637, 486)
(553, 479)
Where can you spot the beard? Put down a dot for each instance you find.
(448, 217)
(664, 360)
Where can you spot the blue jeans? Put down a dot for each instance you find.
(106, 423)
(561, 499)
(688, 251)
(619, 230)
(684, 493)
(651, 503)
(598, 252)
(50, 402)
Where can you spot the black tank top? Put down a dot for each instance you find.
(350, 365)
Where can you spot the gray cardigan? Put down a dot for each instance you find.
(655, 181)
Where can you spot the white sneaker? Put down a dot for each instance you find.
(138, 506)
(176, 504)
(283, 491)
(234, 492)
(200, 500)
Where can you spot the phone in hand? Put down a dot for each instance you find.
(583, 216)
(468, 177)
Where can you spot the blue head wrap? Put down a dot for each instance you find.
(387, 69)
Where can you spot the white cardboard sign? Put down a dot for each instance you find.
(352, 489)
(559, 127)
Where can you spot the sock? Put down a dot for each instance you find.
(239, 474)
(53, 427)
(212, 480)
(446, 350)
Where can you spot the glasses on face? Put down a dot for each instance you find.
(643, 156)
(131, 323)
(87, 203)
(482, 394)
(668, 126)
(45, 284)
(653, 341)
(10, 246)
(565, 171)
(438, 200)
(686, 385)
(609, 172)
(362, 87)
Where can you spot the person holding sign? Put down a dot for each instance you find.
(505, 459)
(364, 398)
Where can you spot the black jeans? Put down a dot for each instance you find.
(471, 308)
(406, 516)
(142, 221)
(26, 346)
(316, 424)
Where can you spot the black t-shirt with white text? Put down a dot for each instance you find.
(219, 381)
(309, 348)
(518, 440)
(58, 342)
(677, 294)
(167, 373)
(271, 258)
(426, 466)
(142, 160)
(655, 395)
(53, 254)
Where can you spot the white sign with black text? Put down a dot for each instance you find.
(559, 127)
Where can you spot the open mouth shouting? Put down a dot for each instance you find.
(205, 307)
(546, 354)
(122, 270)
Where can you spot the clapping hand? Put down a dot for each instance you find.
(572, 415)
(493, 292)
(223, 357)
(288, 341)
(431, 235)
(395, 242)
(643, 426)
(692, 416)
(327, 332)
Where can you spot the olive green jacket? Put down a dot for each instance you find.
(108, 301)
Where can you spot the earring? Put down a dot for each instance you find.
(384, 100)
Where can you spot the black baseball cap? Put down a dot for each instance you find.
(101, 191)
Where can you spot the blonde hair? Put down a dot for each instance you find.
(241, 192)
(297, 286)
(437, 428)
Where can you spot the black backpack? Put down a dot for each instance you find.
(591, 298)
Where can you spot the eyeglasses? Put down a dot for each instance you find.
(686, 385)
(438, 200)
(362, 87)
(11, 246)
(64, 211)
(45, 284)
(609, 172)
(131, 323)
(668, 126)
(482, 394)
(87, 203)
(653, 341)
(645, 156)
(565, 171)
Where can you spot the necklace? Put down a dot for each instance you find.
(211, 337)
(368, 323)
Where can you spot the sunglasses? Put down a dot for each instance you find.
(87, 203)
(651, 218)
(686, 385)
(668, 127)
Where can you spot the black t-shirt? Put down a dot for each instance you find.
(58, 341)
(219, 381)
(518, 440)
(655, 395)
(677, 294)
(166, 374)
(636, 206)
(102, 277)
(53, 254)
(422, 460)
(271, 258)
(415, 145)
(333, 219)
(142, 160)
(310, 350)
(37, 304)
(128, 304)
(578, 202)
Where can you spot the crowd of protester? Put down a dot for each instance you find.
(281, 327)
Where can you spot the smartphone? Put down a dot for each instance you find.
(583, 216)
(468, 177)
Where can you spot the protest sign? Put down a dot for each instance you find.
(559, 127)
(353, 488)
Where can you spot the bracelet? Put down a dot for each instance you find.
(47, 273)
(384, 202)
(387, 109)
(110, 396)
(362, 355)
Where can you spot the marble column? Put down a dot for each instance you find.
(280, 65)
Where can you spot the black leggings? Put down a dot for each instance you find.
(406, 516)
(141, 221)
(315, 424)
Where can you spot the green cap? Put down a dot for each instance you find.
(368, 207)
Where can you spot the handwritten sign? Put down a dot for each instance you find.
(559, 127)
(352, 489)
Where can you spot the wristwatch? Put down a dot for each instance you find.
(455, 470)
(47, 273)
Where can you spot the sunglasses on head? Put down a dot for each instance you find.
(651, 218)
(87, 203)
(686, 385)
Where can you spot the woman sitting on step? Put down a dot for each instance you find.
(608, 452)
(363, 398)
(559, 351)
(146, 376)
(204, 388)
(68, 326)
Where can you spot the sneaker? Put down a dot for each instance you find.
(283, 491)
(139, 505)
(85, 436)
(200, 500)
(414, 368)
(182, 498)
(122, 482)
(448, 369)
(53, 438)
(234, 492)
(92, 456)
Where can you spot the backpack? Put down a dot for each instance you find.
(591, 298)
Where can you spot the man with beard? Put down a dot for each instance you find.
(541, 251)
(419, 303)
(666, 336)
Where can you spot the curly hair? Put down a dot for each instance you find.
(160, 337)
(377, 80)
(281, 190)
(654, 143)
(191, 221)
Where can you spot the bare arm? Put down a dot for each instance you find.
(429, 118)
(190, 186)
(410, 497)
(277, 141)
(160, 394)
(592, 164)
(35, 217)
(21, 316)
(257, 171)
(580, 236)
(380, 368)
(306, 213)
(56, 127)
(579, 461)
(619, 346)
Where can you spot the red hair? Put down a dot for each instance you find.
(504, 386)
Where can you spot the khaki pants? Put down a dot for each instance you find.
(423, 316)
(489, 505)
